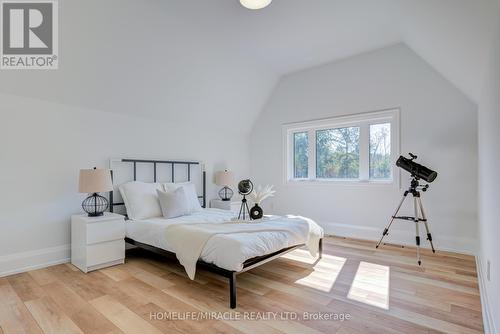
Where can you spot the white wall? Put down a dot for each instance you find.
(43, 146)
(173, 60)
(489, 186)
(437, 122)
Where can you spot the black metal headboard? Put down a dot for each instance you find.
(155, 164)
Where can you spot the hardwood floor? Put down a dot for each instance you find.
(383, 291)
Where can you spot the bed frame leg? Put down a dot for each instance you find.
(232, 290)
(320, 248)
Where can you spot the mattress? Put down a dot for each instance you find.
(228, 251)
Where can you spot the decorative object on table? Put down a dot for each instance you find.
(95, 181)
(256, 212)
(257, 196)
(245, 188)
(225, 179)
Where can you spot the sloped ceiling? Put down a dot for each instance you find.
(215, 62)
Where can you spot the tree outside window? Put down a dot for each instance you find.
(337, 153)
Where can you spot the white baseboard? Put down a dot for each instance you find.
(489, 325)
(25, 261)
(402, 237)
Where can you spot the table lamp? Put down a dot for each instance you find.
(225, 179)
(94, 181)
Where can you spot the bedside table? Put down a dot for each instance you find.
(233, 206)
(97, 242)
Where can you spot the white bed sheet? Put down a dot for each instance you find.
(227, 251)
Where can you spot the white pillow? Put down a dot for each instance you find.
(190, 192)
(173, 203)
(141, 199)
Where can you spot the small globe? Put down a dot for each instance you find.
(245, 187)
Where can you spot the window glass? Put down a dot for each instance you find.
(380, 151)
(300, 155)
(337, 153)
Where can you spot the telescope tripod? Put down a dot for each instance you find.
(418, 218)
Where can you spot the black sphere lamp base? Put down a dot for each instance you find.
(96, 214)
(225, 194)
(95, 205)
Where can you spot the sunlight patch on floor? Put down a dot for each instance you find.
(324, 275)
(371, 285)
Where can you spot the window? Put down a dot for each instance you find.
(358, 148)
(300, 156)
(380, 151)
(337, 153)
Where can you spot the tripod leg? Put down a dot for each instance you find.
(424, 218)
(241, 208)
(386, 230)
(417, 232)
(248, 210)
(417, 239)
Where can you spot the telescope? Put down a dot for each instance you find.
(416, 170)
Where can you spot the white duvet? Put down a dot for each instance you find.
(224, 249)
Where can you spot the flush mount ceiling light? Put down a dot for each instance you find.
(255, 4)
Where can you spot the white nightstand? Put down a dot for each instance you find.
(97, 242)
(233, 206)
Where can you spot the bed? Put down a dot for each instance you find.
(226, 254)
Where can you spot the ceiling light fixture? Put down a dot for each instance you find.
(255, 4)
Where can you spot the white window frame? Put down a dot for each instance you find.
(363, 121)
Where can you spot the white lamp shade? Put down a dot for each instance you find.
(95, 181)
(224, 178)
(255, 4)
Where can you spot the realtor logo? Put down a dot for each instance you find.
(29, 34)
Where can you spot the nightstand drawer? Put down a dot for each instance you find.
(105, 231)
(105, 252)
